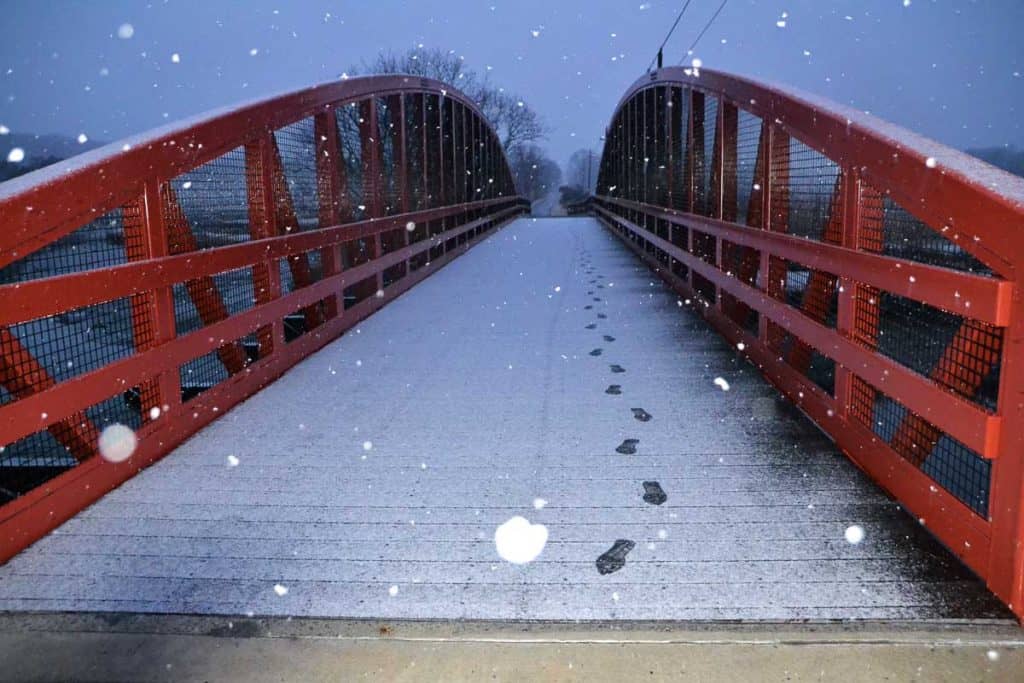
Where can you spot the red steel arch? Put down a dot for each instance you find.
(159, 281)
(874, 277)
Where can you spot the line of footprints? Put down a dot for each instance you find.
(614, 558)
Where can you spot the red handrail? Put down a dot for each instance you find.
(891, 314)
(433, 178)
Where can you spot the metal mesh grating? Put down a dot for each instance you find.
(708, 197)
(948, 462)
(803, 358)
(36, 354)
(296, 144)
(678, 114)
(415, 151)
(811, 185)
(907, 237)
(214, 202)
(962, 355)
(95, 245)
(205, 301)
(813, 292)
(204, 372)
(348, 119)
(39, 457)
(387, 120)
(747, 152)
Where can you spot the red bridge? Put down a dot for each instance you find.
(847, 446)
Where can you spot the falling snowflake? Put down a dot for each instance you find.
(280, 590)
(117, 443)
(393, 591)
(233, 461)
(82, 138)
(854, 534)
(176, 58)
(721, 383)
(539, 503)
(125, 31)
(367, 445)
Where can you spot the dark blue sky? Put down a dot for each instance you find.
(950, 69)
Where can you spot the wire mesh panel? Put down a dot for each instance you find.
(704, 249)
(232, 290)
(748, 154)
(415, 150)
(812, 188)
(961, 354)
(208, 206)
(39, 354)
(709, 193)
(904, 236)
(97, 244)
(948, 462)
(348, 120)
(434, 142)
(37, 458)
(675, 128)
(296, 146)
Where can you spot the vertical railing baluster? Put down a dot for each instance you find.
(847, 294)
(373, 187)
(262, 224)
(329, 170)
(152, 312)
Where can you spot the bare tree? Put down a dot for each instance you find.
(536, 175)
(515, 121)
(581, 171)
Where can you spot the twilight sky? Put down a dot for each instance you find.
(949, 69)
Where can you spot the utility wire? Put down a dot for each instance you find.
(676, 23)
(704, 30)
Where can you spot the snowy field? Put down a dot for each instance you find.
(545, 375)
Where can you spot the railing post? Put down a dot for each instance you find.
(369, 137)
(330, 188)
(767, 221)
(695, 130)
(847, 295)
(266, 276)
(152, 312)
(1006, 497)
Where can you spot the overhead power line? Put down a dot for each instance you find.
(704, 30)
(669, 35)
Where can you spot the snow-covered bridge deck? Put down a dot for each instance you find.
(369, 481)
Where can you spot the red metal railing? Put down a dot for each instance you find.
(874, 277)
(157, 282)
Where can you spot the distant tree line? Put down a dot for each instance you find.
(1008, 158)
(10, 170)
